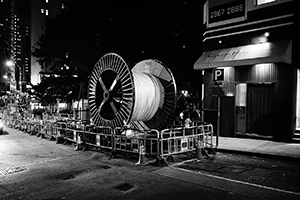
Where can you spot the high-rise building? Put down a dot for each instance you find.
(40, 11)
(22, 44)
(8, 35)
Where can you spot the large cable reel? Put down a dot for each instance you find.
(144, 96)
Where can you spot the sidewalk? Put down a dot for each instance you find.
(260, 147)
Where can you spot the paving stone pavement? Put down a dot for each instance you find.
(262, 147)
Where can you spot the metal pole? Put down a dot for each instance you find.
(218, 121)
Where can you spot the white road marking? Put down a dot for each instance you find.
(240, 182)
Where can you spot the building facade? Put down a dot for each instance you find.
(250, 69)
(15, 20)
(40, 11)
(8, 44)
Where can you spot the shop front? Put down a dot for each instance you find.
(251, 91)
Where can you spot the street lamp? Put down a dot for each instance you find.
(9, 63)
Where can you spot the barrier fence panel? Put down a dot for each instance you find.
(71, 131)
(185, 139)
(46, 129)
(128, 140)
(178, 140)
(59, 129)
(208, 132)
(99, 136)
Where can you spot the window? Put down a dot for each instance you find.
(47, 12)
(260, 2)
(42, 10)
(47, 1)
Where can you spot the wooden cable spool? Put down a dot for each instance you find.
(144, 96)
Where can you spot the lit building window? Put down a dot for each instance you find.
(47, 12)
(47, 1)
(260, 2)
(42, 11)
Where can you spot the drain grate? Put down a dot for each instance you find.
(12, 170)
(67, 177)
(259, 179)
(104, 166)
(124, 187)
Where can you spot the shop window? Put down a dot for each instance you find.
(260, 2)
(241, 94)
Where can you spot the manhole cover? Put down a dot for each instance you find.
(124, 187)
(12, 170)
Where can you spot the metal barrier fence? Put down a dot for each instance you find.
(98, 136)
(58, 130)
(157, 144)
(129, 141)
(185, 139)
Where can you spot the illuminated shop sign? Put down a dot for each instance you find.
(228, 11)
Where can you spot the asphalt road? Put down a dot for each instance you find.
(33, 168)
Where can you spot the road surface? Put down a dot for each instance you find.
(33, 168)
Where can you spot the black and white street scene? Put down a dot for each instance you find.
(149, 100)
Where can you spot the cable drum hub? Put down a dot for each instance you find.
(144, 96)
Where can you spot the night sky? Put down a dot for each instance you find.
(169, 31)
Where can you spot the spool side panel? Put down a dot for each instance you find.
(111, 92)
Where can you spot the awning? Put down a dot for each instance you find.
(268, 52)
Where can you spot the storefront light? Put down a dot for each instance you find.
(229, 94)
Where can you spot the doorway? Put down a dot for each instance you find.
(259, 109)
(254, 108)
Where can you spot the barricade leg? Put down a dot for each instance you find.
(79, 145)
(161, 162)
(80, 142)
(142, 158)
(200, 151)
(51, 136)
